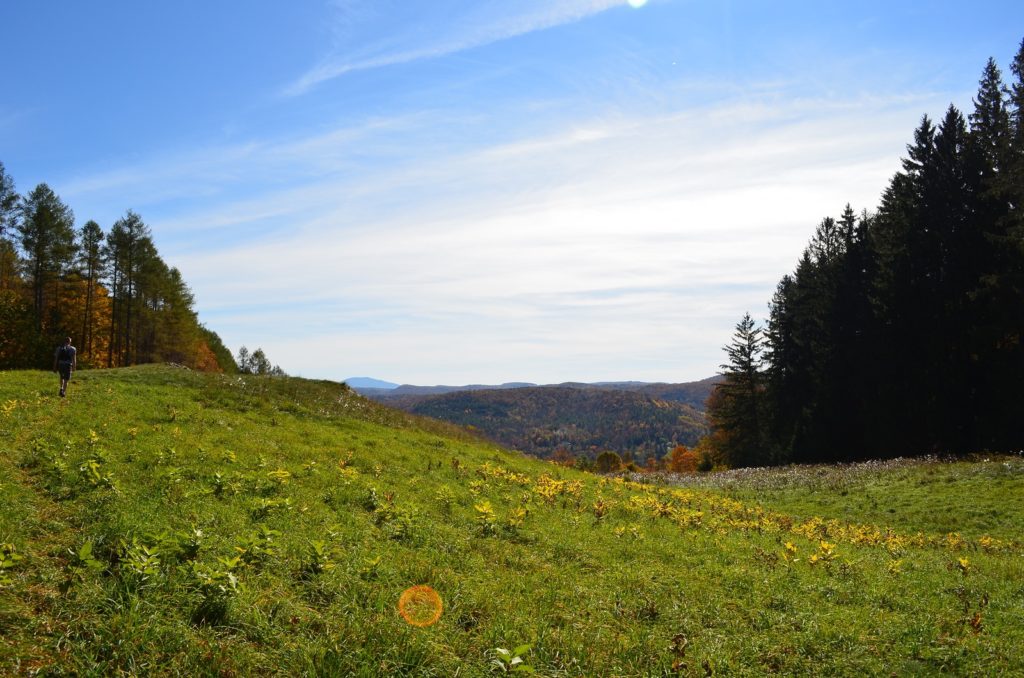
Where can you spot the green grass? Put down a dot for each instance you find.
(173, 523)
(976, 498)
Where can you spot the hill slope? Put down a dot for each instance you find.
(163, 522)
(580, 419)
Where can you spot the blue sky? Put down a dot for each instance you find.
(478, 191)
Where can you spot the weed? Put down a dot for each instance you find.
(371, 502)
(184, 545)
(279, 477)
(80, 565)
(219, 484)
(258, 546)
(486, 521)
(265, 507)
(515, 519)
(511, 661)
(9, 558)
(140, 564)
(371, 568)
(216, 588)
(91, 471)
(398, 523)
(446, 498)
(319, 559)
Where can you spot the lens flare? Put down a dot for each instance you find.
(420, 605)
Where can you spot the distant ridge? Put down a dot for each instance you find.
(409, 389)
(359, 383)
(693, 393)
(644, 419)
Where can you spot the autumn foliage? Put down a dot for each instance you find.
(683, 460)
(110, 292)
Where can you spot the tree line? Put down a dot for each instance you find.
(110, 291)
(900, 331)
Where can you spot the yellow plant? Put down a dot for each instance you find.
(280, 476)
(516, 518)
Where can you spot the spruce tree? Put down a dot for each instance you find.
(736, 408)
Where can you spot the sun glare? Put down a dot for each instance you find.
(636, 4)
(420, 605)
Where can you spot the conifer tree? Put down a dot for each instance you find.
(47, 238)
(128, 246)
(736, 408)
(93, 265)
(8, 213)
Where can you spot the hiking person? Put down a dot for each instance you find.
(65, 360)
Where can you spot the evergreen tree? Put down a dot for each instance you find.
(47, 238)
(93, 265)
(244, 366)
(8, 212)
(735, 410)
(128, 247)
(990, 127)
(787, 378)
(257, 363)
(999, 340)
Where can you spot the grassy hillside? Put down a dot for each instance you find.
(586, 420)
(976, 497)
(160, 521)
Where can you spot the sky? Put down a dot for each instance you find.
(481, 191)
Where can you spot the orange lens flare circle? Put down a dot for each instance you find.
(420, 605)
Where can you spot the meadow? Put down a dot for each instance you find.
(161, 521)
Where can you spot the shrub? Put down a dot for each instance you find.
(608, 462)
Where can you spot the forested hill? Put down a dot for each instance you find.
(108, 290)
(542, 420)
(694, 393)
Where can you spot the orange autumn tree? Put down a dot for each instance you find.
(683, 460)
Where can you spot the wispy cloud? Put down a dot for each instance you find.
(492, 21)
(638, 234)
(624, 244)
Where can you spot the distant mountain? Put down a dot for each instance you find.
(408, 389)
(360, 383)
(580, 418)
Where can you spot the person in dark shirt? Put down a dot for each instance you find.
(65, 360)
